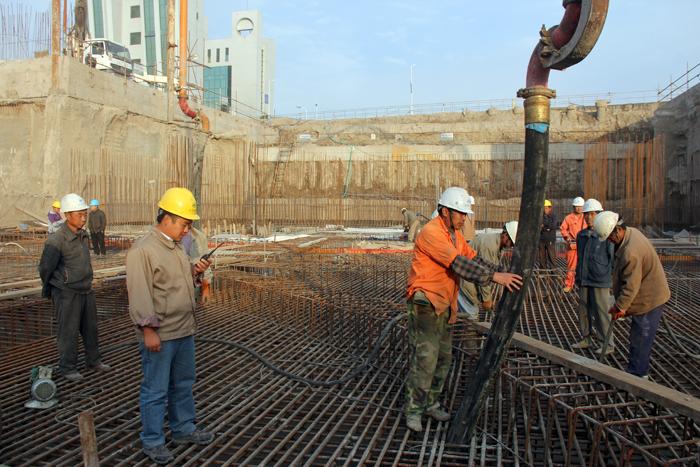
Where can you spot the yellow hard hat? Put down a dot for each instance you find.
(56, 204)
(181, 202)
(547, 203)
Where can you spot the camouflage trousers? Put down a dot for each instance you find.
(430, 338)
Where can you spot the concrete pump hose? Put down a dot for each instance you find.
(313, 382)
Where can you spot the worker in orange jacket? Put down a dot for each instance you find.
(440, 258)
(573, 223)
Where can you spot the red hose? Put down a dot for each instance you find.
(537, 75)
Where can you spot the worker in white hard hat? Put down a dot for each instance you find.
(161, 285)
(594, 267)
(639, 284)
(441, 257)
(66, 274)
(572, 225)
(488, 246)
(410, 223)
(55, 218)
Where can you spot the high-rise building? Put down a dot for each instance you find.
(240, 71)
(141, 25)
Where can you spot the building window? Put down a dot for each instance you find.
(227, 54)
(218, 55)
(135, 38)
(136, 11)
(99, 21)
(197, 15)
(136, 60)
(209, 56)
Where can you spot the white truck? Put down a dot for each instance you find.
(104, 54)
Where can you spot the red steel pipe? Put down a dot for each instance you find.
(537, 74)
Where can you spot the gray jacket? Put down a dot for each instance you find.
(97, 221)
(65, 262)
(488, 246)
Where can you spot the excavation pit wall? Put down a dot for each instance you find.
(108, 138)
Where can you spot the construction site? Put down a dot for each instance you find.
(303, 353)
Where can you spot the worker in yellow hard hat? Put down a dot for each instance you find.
(54, 216)
(548, 237)
(161, 285)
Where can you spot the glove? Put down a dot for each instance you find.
(487, 305)
(206, 293)
(616, 313)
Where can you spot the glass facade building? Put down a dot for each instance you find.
(217, 85)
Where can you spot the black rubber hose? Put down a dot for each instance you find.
(313, 382)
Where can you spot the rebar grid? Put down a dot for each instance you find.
(319, 319)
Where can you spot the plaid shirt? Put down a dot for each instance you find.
(477, 270)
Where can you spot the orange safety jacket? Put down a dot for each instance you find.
(433, 254)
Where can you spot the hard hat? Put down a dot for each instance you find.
(512, 229)
(181, 202)
(94, 203)
(578, 201)
(547, 203)
(56, 204)
(72, 203)
(456, 198)
(403, 209)
(604, 224)
(471, 200)
(435, 214)
(592, 205)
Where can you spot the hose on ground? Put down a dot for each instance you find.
(312, 382)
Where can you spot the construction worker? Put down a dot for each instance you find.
(639, 285)
(410, 222)
(54, 216)
(440, 257)
(97, 223)
(594, 267)
(195, 245)
(66, 276)
(160, 282)
(488, 246)
(548, 237)
(573, 223)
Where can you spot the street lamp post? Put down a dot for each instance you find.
(316, 117)
(412, 88)
(486, 205)
(269, 94)
(306, 112)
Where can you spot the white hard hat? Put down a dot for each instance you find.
(456, 198)
(512, 229)
(435, 214)
(471, 200)
(72, 202)
(578, 201)
(604, 224)
(403, 209)
(592, 205)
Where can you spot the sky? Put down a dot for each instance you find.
(358, 54)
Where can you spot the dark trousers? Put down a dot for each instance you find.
(98, 243)
(642, 335)
(547, 252)
(76, 314)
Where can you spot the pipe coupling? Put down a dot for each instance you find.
(537, 103)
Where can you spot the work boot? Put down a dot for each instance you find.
(437, 414)
(196, 437)
(74, 376)
(101, 367)
(608, 351)
(159, 454)
(567, 289)
(413, 423)
(584, 344)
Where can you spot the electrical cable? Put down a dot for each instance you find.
(352, 148)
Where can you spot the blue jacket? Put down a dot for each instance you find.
(595, 260)
(548, 233)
